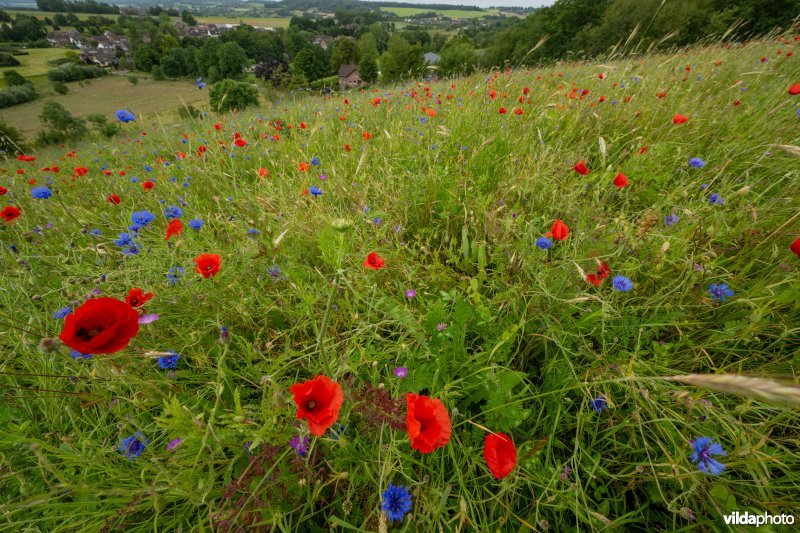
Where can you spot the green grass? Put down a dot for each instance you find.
(452, 13)
(106, 96)
(261, 22)
(455, 206)
(35, 63)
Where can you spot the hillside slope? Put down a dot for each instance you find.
(672, 256)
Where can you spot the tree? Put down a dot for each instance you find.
(188, 19)
(312, 62)
(458, 57)
(11, 140)
(401, 59)
(231, 60)
(345, 52)
(368, 69)
(231, 94)
(58, 125)
(60, 87)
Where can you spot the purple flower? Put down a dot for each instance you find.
(671, 219)
(300, 446)
(441, 326)
(410, 293)
(697, 162)
(400, 372)
(174, 443)
(599, 404)
(148, 319)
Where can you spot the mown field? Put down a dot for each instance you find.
(35, 62)
(452, 13)
(106, 95)
(552, 299)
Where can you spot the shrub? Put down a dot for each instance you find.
(13, 78)
(230, 94)
(17, 95)
(11, 140)
(188, 111)
(133, 79)
(60, 87)
(7, 60)
(75, 73)
(58, 125)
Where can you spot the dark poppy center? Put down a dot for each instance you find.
(311, 405)
(88, 334)
(134, 302)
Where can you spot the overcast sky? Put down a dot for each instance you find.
(484, 3)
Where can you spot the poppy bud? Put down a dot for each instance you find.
(49, 345)
(224, 335)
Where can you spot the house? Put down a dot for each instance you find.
(62, 39)
(349, 78)
(205, 30)
(323, 41)
(431, 58)
(113, 41)
(103, 57)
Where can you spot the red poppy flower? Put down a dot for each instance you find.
(594, 279)
(20, 171)
(679, 119)
(427, 423)
(263, 173)
(642, 150)
(9, 213)
(100, 325)
(346, 147)
(621, 180)
(367, 136)
(137, 297)
(26, 158)
(500, 454)
(175, 227)
(114, 199)
(302, 125)
(32, 181)
(603, 270)
(794, 90)
(81, 171)
(318, 402)
(207, 265)
(218, 126)
(580, 168)
(502, 110)
(518, 111)
(374, 261)
(303, 166)
(240, 142)
(3, 191)
(795, 247)
(559, 231)
(148, 185)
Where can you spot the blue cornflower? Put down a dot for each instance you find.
(715, 199)
(299, 445)
(131, 249)
(253, 231)
(75, 354)
(174, 275)
(41, 193)
(134, 445)
(377, 221)
(396, 502)
(720, 291)
(315, 161)
(671, 219)
(96, 233)
(62, 313)
(599, 404)
(704, 448)
(543, 243)
(142, 218)
(697, 162)
(621, 283)
(169, 362)
(148, 168)
(196, 223)
(124, 239)
(123, 115)
(337, 431)
(173, 211)
(315, 191)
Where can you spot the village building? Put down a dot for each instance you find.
(64, 39)
(349, 78)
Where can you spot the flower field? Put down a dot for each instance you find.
(557, 299)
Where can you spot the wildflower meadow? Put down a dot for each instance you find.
(553, 299)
